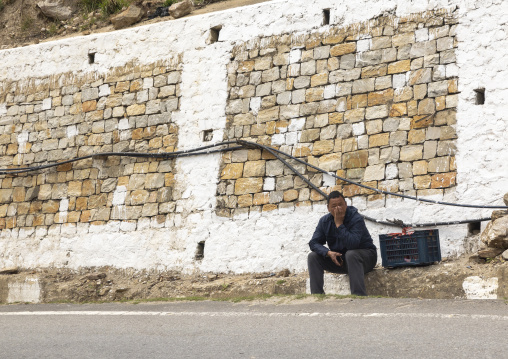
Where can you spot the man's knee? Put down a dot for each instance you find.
(353, 255)
(313, 257)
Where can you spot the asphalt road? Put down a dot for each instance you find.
(338, 328)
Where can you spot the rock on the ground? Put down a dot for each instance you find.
(55, 9)
(489, 252)
(132, 15)
(496, 233)
(498, 214)
(180, 9)
(505, 255)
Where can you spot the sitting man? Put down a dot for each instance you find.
(350, 251)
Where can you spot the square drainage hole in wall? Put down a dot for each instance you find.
(479, 96)
(207, 135)
(474, 228)
(326, 16)
(214, 34)
(91, 58)
(200, 251)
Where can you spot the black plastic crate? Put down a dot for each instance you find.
(418, 248)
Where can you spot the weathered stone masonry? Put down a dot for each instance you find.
(51, 120)
(373, 102)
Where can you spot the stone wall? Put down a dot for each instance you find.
(128, 110)
(373, 102)
(383, 94)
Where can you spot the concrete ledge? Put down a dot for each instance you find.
(449, 280)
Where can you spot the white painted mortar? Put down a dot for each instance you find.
(278, 239)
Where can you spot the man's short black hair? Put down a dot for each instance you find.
(334, 194)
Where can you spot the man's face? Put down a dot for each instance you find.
(335, 203)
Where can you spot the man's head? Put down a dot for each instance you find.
(336, 199)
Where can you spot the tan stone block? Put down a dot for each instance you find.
(381, 97)
(96, 201)
(330, 162)
(315, 196)
(403, 39)
(301, 151)
(18, 194)
(314, 94)
(358, 101)
(349, 144)
(420, 168)
(411, 153)
(412, 108)
(319, 80)
(136, 85)
(421, 182)
(73, 217)
(290, 195)
(453, 164)
(81, 203)
(379, 140)
(10, 222)
(453, 86)
(355, 159)
(443, 180)
(448, 133)
(85, 216)
(244, 119)
(245, 200)
(355, 115)
(269, 207)
(261, 198)
(38, 220)
(35, 207)
(343, 49)
(254, 168)
(50, 206)
(335, 118)
(416, 136)
(403, 94)
(74, 188)
(322, 147)
(399, 66)
(422, 121)
(426, 107)
(420, 91)
(136, 109)
(246, 66)
(439, 164)
(447, 117)
(334, 39)
(351, 190)
(89, 106)
(122, 86)
(267, 115)
(248, 185)
(374, 71)
(398, 109)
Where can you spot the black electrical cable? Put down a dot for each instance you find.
(273, 151)
(247, 143)
(394, 223)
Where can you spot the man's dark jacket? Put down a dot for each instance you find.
(352, 234)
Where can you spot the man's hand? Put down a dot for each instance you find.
(336, 257)
(338, 214)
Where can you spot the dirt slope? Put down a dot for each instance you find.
(22, 23)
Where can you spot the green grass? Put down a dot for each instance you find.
(2, 5)
(107, 7)
(26, 23)
(170, 2)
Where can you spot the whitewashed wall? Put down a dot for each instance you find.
(274, 240)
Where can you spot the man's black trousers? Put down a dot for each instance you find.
(357, 262)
